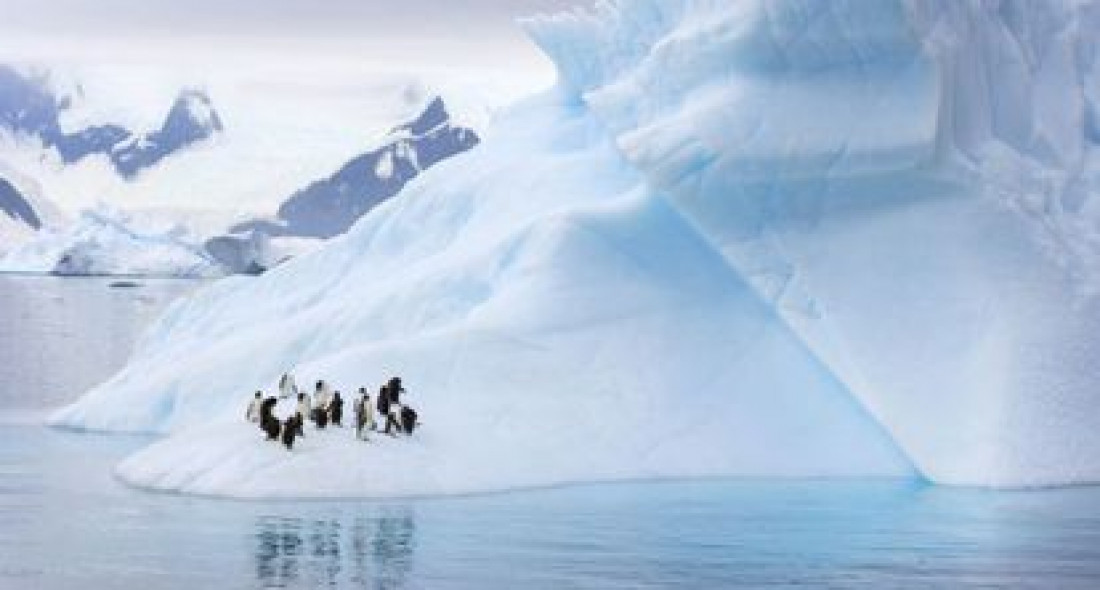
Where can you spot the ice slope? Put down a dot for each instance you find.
(910, 184)
(741, 238)
(553, 321)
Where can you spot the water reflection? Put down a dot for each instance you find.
(363, 552)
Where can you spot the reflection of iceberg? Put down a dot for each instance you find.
(750, 238)
(373, 552)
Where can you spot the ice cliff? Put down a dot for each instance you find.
(907, 184)
(774, 237)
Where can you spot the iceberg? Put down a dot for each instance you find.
(781, 238)
(906, 183)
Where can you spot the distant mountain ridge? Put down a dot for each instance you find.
(29, 107)
(16, 206)
(328, 207)
(191, 119)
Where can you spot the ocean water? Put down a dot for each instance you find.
(66, 522)
(60, 336)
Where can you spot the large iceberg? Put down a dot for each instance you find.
(753, 238)
(907, 184)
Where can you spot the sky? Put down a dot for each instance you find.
(302, 85)
(472, 33)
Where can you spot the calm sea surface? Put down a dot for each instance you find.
(65, 522)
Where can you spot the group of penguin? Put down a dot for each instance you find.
(400, 418)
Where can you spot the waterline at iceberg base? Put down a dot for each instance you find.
(780, 239)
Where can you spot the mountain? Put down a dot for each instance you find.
(24, 210)
(191, 119)
(29, 107)
(16, 207)
(328, 207)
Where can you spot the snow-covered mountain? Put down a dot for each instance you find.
(18, 219)
(16, 207)
(191, 119)
(783, 238)
(328, 207)
(23, 210)
(30, 107)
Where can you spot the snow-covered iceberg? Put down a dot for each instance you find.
(777, 238)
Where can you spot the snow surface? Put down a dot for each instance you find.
(780, 238)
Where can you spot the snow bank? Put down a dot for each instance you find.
(780, 238)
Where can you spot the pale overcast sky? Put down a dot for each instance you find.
(266, 17)
(463, 32)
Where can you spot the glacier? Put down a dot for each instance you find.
(105, 240)
(778, 238)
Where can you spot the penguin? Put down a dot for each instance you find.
(408, 419)
(268, 422)
(336, 409)
(290, 429)
(253, 412)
